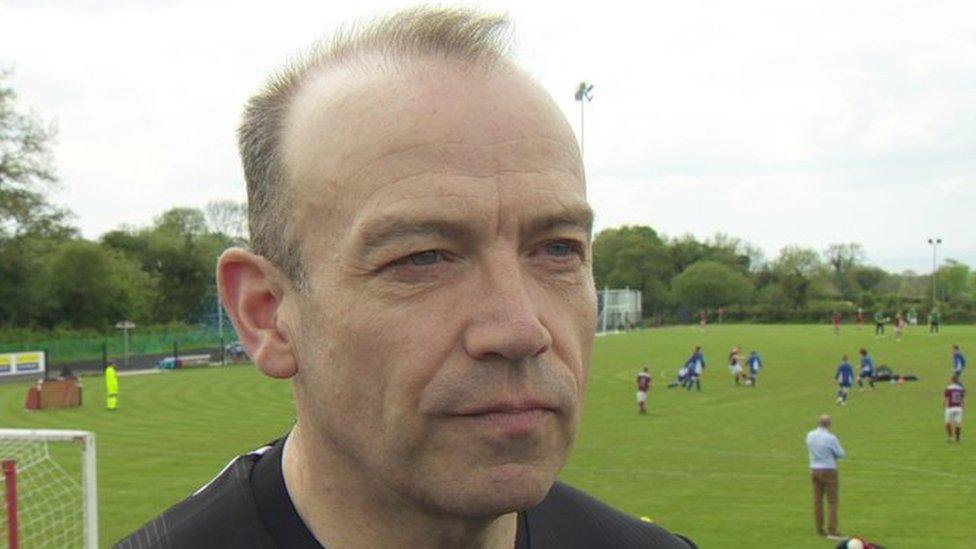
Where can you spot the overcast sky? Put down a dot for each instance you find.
(801, 122)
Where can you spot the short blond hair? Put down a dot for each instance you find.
(453, 33)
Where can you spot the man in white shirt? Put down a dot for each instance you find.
(825, 450)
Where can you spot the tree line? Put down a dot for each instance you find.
(679, 277)
(161, 274)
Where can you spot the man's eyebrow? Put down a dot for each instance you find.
(381, 232)
(575, 216)
(377, 233)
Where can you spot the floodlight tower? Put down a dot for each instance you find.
(935, 245)
(584, 93)
(220, 328)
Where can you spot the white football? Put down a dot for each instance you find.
(855, 543)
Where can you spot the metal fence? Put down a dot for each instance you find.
(61, 351)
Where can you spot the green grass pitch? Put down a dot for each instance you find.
(726, 466)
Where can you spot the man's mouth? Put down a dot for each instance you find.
(512, 418)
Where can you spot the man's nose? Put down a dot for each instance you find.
(506, 319)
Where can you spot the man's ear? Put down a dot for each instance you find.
(252, 291)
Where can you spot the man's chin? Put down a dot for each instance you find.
(497, 491)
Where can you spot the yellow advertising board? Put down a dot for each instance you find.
(31, 362)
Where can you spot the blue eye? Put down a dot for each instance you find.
(425, 258)
(559, 249)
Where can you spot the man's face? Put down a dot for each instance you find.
(444, 340)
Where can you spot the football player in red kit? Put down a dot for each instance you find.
(952, 401)
(643, 385)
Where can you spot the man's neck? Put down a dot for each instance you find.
(342, 509)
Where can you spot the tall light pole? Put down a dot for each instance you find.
(584, 93)
(935, 244)
(220, 328)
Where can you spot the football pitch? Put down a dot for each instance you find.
(725, 466)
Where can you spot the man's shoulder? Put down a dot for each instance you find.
(221, 514)
(569, 518)
(820, 432)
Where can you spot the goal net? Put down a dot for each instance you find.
(48, 489)
(619, 310)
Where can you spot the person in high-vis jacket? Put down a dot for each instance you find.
(111, 387)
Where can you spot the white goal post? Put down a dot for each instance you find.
(619, 309)
(49, 491)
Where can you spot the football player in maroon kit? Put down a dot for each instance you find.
(643, 385)
(952, 401)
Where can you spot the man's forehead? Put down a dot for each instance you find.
(353, 136)
(346, 118)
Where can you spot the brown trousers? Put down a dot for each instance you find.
(825, 482)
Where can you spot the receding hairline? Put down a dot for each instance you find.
(328, 86)
(376, 47)
(481, 40)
